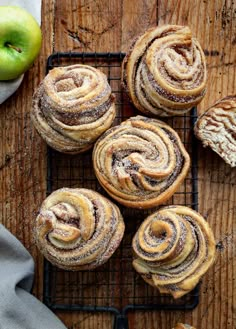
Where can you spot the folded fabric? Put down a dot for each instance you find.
(18, 308)
(7, 88)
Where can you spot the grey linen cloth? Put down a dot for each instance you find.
(7, 88)
(18, 308)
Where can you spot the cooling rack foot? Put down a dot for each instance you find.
(121, 322)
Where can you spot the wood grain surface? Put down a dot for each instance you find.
(110, 25)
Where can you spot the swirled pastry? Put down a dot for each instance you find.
(141, 162)
(78, 229)
(183, 326)
(165, 71)
(72, 107)
(217, 128)
(173, 248)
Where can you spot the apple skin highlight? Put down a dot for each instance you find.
(20, 41)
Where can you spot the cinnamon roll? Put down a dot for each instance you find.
(78, 229)
(141, 162)
(217, 128)
(173, 248)
(165, 71)
(183, 326)
(72, 107)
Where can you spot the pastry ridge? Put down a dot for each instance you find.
(216, 128)
(141, 162)
(173, 248)
(72, 107)
(78, 229)
(164, 71)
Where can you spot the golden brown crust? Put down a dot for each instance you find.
(216, 128)
(165, 71)
(141, 162)
(72, 107)
(78, 229)
(173, 248)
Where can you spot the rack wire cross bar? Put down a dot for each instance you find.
(113, 287)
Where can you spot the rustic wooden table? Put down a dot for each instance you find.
(109, 25)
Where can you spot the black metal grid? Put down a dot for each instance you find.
(115, 286)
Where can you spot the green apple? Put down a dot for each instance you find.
(20, 41)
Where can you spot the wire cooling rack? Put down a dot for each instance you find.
(114, 287)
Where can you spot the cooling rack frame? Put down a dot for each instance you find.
(109, 61)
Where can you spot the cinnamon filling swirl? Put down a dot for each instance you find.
(78, 229)
(72, 107)
(173, 248)
(140, 163)
(165, 71)
(217, 128)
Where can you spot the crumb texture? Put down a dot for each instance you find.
(216, 128)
